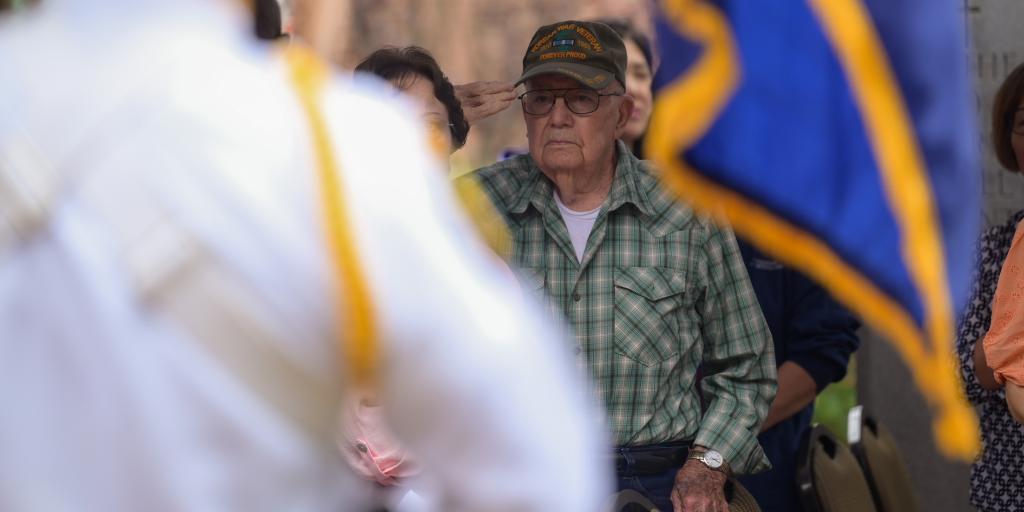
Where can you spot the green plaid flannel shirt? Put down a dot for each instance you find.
(660, 292)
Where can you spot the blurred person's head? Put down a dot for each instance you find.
(268, 19)
(639, 77)
(575, 106)
(1008, 121)
(414, 71)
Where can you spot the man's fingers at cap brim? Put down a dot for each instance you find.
(482, 88)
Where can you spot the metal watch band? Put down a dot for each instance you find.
(699, 454)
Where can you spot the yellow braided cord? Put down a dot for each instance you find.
(358, 337)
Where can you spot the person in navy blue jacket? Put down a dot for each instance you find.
(814, 337)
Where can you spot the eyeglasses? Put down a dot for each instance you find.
(579, 101)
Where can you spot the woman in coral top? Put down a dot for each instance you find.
(998, 474)
(1004, 342)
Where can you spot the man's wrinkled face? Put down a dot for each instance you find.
(562, 141)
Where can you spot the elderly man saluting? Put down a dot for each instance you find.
(651, 290)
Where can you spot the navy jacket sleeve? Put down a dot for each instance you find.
(822, 334)
(808, 326)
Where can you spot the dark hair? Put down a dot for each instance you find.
(268, 19)
(399, 64)
(1004, 108)
(627, 30)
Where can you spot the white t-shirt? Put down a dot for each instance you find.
(579, 224)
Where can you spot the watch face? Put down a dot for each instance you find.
(713, 459)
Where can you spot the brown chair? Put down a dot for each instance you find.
(885, 468)
(829, 478)
(740, 499)
(629, 501)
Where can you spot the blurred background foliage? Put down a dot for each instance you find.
(833, 404)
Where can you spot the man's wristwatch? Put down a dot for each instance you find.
(710, 458)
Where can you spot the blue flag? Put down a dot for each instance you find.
(837, 136)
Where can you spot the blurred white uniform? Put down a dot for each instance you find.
(158, 197)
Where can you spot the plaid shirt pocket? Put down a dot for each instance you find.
(646, 302)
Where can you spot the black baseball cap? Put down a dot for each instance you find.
(586, 51)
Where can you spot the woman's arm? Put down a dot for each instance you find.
(986, 377)
(1004, 342)
(1015, 401)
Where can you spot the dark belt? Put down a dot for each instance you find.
(651, 459)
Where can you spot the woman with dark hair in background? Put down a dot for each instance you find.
(997, 477)
(414, 71)
(448, 111)
(639, 81)
(367, 443)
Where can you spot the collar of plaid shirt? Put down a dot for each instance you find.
(660, 292)
(536, 189)
(632, 185)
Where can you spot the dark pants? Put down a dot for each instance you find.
(651, 470)
(775, 490)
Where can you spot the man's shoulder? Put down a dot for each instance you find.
(512, 171)
(504, 181)
(669, 213)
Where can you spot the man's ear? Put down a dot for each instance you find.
(625, 111)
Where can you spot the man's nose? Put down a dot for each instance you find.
(560, 113)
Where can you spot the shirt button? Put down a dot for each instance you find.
(576, 297)
(361, 447)
(579, 350)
